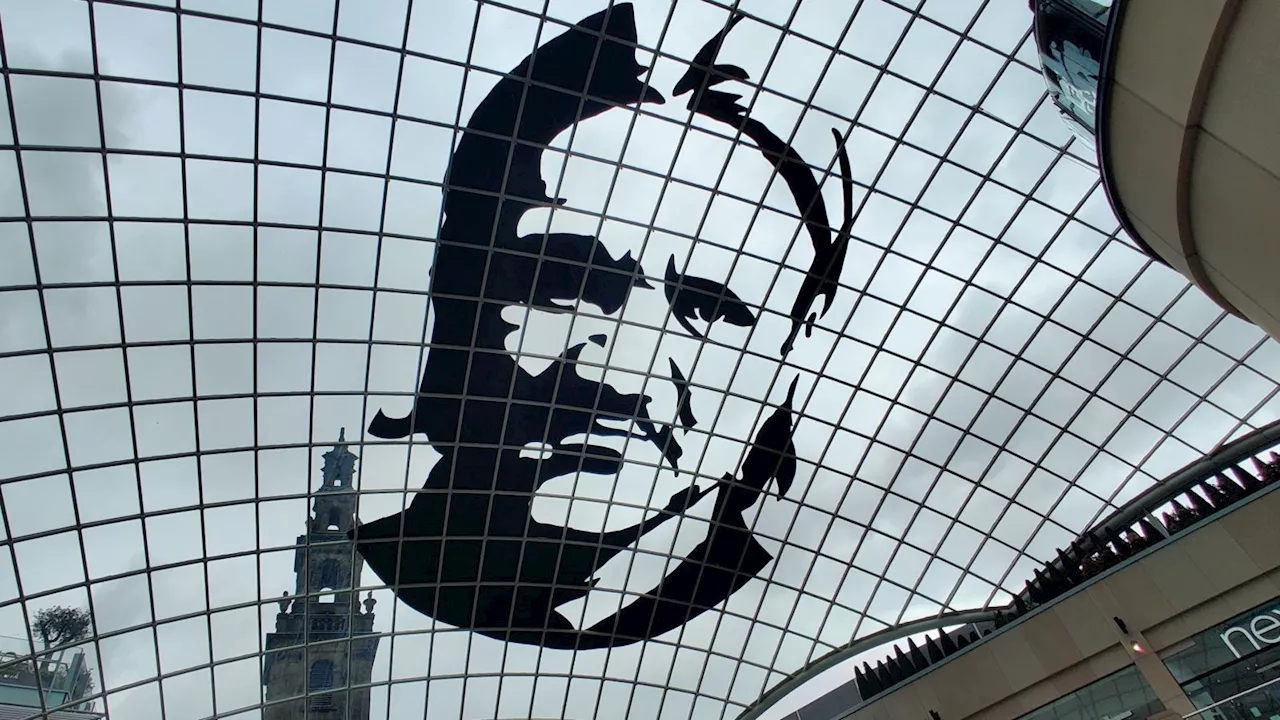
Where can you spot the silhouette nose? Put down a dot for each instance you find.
(634, 361)
(684, 400)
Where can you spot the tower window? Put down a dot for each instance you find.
(321, 678)
(329, 575)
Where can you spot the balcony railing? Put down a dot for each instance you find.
(62, 676)
(1194, 495)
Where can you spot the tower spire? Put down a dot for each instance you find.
(339, 467)
(323, 644)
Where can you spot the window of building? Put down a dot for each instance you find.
(320, 678)
(1233, 667)
(1123, 694)
(328, 575)
(1070, 36)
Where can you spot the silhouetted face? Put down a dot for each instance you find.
(606, 351)
(634, 359)
(706, 322)
(701, 325)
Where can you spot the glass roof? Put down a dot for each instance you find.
(776, 325)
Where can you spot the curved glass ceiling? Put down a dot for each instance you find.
(680, 343)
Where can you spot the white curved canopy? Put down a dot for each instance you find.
(654, 407)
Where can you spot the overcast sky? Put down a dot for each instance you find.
(999, 370)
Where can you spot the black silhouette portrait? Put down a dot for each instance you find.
(468, 551)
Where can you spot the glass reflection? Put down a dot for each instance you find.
(1231, 670)
(1123, 695)
(1235, 693)
(1070, 35)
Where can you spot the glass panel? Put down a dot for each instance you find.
(744, 329)
(1247, 691)
(1249, 636)
(1124, 695)
(1070, 37)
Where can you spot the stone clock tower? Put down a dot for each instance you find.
(320, 646)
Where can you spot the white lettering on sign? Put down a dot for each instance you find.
(1265, 624)
(1261, 630)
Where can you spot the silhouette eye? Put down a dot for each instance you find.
(704, 299)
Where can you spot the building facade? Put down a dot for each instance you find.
(62, 678)
(1182, 623)
(323, 643)
(1178, 98)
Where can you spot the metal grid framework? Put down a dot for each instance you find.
(193, 303)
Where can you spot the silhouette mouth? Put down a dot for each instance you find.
(601, 455)
(611, 445)
(614, 434)
(610, 437)
(627, 427)
(595, 450)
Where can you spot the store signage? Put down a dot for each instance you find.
(1259, 631)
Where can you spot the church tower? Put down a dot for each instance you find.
(320, 645)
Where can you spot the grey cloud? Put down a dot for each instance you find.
(56, 111)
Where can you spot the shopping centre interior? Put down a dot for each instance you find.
(639, 360)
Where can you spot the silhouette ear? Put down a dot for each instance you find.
(846, 181)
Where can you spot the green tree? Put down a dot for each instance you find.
(59, 625)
